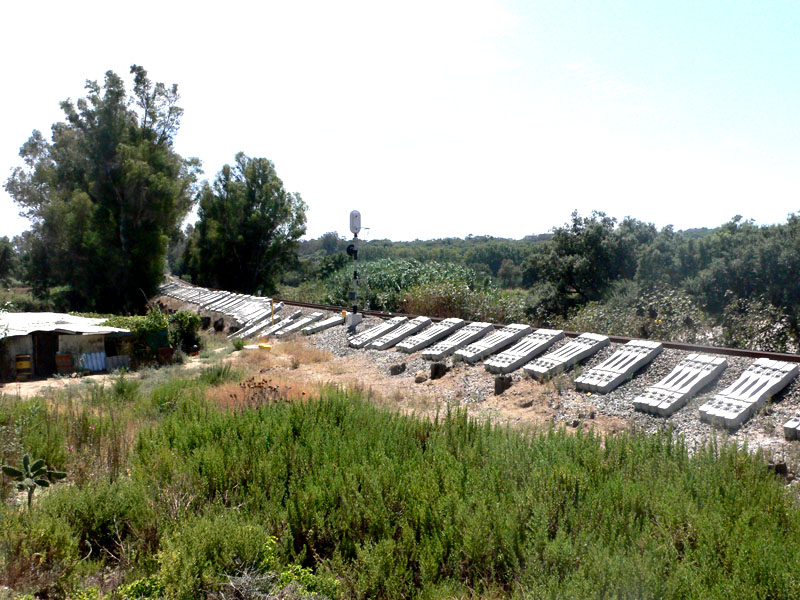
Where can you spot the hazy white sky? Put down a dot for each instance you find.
(439, 119)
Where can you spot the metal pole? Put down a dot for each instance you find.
(355, 273)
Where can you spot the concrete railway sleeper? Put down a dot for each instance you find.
(505, 348)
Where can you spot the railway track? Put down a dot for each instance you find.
(509, 347)
(617, 339)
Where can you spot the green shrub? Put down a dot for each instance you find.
(382, 282)
(36, 549)
(399, 506)
(758, 325)
(146, 588)
(196, 556)
(218, 374)
(184, 326)
(456, 299)
(652, 313)
(110, 519)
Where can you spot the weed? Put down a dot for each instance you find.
(218, 374)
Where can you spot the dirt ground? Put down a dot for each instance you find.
(296, 370)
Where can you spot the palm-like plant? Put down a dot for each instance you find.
(33, 474)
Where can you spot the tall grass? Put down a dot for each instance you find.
(392, 506)
(399, 506)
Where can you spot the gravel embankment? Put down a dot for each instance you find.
(474, 384)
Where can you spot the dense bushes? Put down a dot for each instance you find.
(158, 330)
(652, 313)
(455, 299)
(404, 507)
(383, 282)
(297, 495)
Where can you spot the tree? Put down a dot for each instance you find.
(8, 259)
(248, 228)
(106, 194)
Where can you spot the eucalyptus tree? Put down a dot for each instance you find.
(106, 193)
(247, 230)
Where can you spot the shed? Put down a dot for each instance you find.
(43, 335)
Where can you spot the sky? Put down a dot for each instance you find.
(447, 119)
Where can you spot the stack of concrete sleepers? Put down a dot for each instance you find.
(561, 359)
(738, 402)
(430, 336)
(620, 367)
(365, 337)
(405, 330)
(459, 339)
(525, 350)
(271, 329)
(323, 324)
(690, 376)
(298, 324)
(496, 341)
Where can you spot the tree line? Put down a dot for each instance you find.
(596, 271)
(107, 195)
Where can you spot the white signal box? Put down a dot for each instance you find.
(355, 222)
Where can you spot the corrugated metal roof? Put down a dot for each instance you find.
(13, 324)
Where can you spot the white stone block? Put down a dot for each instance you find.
(323, 325)
(791, 429)
(365, 337)
(525, 350)
(691, 375)
(430, 336)
(494, 342)
(405, 330)
(561, 359)
(462, 337)
(298, 324)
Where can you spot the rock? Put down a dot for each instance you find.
(501, 384)
(219, 324)
(438, 369)
(779, 468)
(397, 368)
(421, 376)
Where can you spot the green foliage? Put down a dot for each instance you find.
(238, 343)
(37, 549)
(455, 299)
(195, 557)
(145, 588)
(218, 374)
(111, 519)
(383, 282)
(656, 313)
(401, 506)
(156, 330)
(105, 194)
(248, 228)
(183, 330)
(758, 325)
(32, 474)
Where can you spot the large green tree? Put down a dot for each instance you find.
(106, 193)
(248, 228)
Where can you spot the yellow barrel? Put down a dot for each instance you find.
(24, 369)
